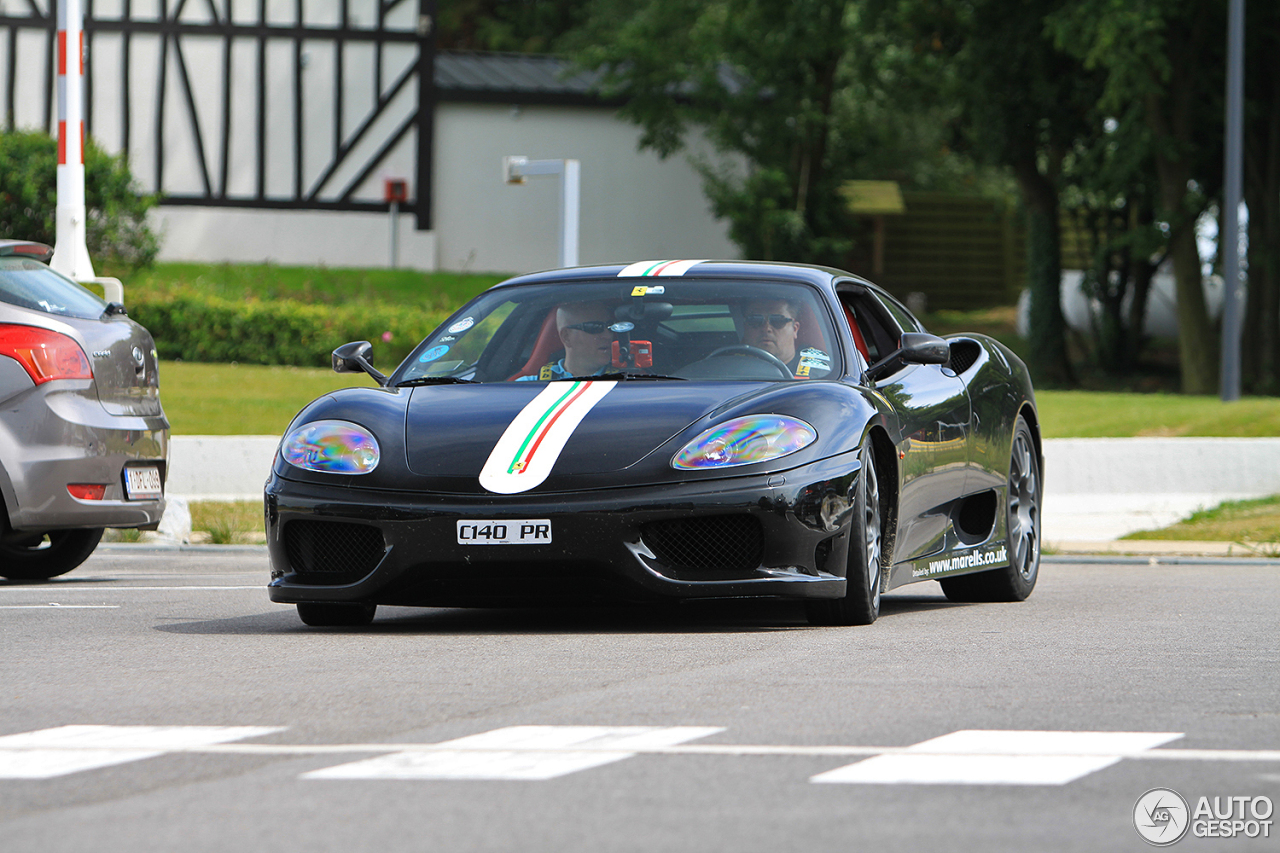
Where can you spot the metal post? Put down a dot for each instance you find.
(570, 195)
(395, 234)
(1229, 239)
(514, 171)
(70, 254)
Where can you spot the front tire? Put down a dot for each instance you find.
(336, 615)
(46, 555)
(1014, 581)
(861, 602)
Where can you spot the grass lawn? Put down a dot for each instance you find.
(1256, 523)
(225, 399)
(1098, 414)
(312, 284)
(246, 399)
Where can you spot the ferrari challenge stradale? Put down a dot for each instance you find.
(663, 430)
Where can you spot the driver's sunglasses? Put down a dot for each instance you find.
(591, 327)
(778, 321)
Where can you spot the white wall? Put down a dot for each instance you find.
(290, 238)
(634, 206)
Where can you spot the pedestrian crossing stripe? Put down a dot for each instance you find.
(529, 753)
(999, 758)
(71, 749)
(525, 753)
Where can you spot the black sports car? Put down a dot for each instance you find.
(677, 429)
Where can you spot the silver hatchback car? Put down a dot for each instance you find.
(84, 442)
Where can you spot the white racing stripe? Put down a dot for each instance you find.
(531, 443)
(642, 269)
(999, 758)
(526, 753)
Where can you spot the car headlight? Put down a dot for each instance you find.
(745, 441)
(331, 447)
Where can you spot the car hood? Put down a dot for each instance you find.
(452, 431)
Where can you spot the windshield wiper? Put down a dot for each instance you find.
(435, 380)
(618, 374)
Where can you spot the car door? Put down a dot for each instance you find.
(934, 424)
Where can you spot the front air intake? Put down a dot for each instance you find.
(332, 552)
(718, 542)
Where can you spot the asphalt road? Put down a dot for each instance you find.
(156, 701)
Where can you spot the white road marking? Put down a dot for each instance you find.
(999, 758)
(546, 752)
(70, 749)
(525, 753)
(55, 604)
(120, 588)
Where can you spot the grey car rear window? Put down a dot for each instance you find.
(31, 284)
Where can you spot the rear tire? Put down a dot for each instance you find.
(336, 615)
(861, 602)
(46, 555)
(1014, 581)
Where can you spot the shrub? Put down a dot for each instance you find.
(116, 232)
(198, 327)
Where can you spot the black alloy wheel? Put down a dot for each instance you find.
(861, 602)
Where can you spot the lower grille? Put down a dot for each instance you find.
(332, 552)
(725, 542)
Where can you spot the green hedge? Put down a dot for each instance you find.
(196, 327)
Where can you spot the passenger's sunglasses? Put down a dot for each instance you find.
(591, 327)
(778, 321)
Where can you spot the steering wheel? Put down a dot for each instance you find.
(756, 352)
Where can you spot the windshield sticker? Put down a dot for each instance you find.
(651, 290)
(446, 339)
(649, 268)
(433, 353)
(814, 356)
(531, 444)
(461, 326)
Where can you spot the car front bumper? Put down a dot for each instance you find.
(780, 535)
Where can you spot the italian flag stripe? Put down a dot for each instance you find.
(540, 429)
(531, 444)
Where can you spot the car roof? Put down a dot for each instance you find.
(701, 269)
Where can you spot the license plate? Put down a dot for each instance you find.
(525, 531)
(142, 483)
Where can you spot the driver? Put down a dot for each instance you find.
(773, 325)
(588, 349)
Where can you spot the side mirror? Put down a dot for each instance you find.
(354, 358)
(914, 348)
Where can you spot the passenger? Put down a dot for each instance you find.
(588, 350)
(773, 325)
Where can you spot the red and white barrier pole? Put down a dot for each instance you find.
(70, 254)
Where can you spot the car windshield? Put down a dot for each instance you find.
(682, 329)
(31, 284)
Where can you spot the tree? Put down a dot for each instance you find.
(117, 230)
(1022, 105)
(1166, 58)
(517, 26)
(1109, 200)
(1261, 370)
(765, 79)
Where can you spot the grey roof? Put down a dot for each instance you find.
(513, 78)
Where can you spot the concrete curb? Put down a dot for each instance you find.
(1096, 489)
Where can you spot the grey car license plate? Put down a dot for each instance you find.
(142, 483)
(524, 531)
